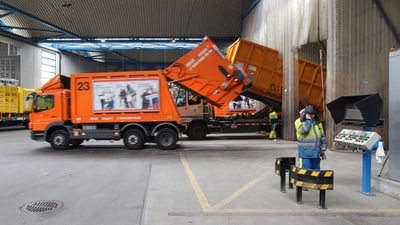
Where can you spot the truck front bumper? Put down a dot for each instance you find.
(37, 136)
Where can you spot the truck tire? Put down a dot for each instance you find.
(197, 131)
(166, 139)
(134, 139)
(59, 140)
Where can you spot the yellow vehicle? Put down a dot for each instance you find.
(14, 105)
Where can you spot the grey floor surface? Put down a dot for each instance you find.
(226, 179)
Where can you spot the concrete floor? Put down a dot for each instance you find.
(226, 179)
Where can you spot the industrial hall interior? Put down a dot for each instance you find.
(157, 112)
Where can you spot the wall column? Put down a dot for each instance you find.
(290, 99)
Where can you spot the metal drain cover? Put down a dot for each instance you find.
(42, 206)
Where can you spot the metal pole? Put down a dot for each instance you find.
(299, 194)
(384, 163)
(322, 80)
(366, 169)
(283, 179)
(322, 199)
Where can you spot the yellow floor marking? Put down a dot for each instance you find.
(205, 205)
(216, 209)
(239, 192)
(290, 212)
(293, 211)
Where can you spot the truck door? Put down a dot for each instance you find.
(190, 106)
(44, 112)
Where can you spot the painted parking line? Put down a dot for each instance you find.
(204, 203)
(218, 208)
(240, 191)
(293, 212)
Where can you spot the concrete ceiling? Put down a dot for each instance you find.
(141, 33)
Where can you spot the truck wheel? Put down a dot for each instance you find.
(166, 139)
(134, 139)
(197, 131)
(59, 140)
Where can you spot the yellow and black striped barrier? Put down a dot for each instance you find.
(283, 165)
(321, 180)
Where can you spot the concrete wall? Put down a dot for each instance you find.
(286, 26)
(358, 52)
(73, 64)
(31, 63)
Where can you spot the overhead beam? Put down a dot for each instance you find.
(250, 8)
(111, 44)
(387, 20)
(125, 45)
(30, 16)
(247, 12)
(28, 28)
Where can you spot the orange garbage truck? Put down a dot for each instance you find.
(240, 116)
(135, 106)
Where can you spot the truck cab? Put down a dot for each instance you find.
(195, 112)
(50, 108)
(200, 118)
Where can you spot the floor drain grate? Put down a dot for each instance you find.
(42, 206)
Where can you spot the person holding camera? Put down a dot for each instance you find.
(310, 139)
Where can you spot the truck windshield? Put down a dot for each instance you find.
(181, 95)
(43, 102)
(178, 93)
(180, 98)
(193, 99)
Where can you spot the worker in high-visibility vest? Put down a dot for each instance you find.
(273, 120)
(311, 139)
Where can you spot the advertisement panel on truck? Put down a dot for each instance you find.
(126, 94)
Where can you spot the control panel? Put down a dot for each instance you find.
(357, 139)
